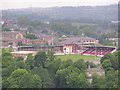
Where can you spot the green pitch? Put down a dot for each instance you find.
(77, 57)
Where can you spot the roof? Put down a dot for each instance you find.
(76, 40)
(95, 70)
(23, 52)
(11, 35)
(63, 36)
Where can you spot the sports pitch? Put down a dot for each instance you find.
(77, 57)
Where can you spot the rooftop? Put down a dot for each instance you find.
(95, 70)
(23, 52)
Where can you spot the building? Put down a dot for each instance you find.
(74, 45)
(80, 41)
(91, 71)
(24, 54)
(99, 71)
(63, 37)
(12, 38)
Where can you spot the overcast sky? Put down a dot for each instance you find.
(8, 4)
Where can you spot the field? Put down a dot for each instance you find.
(77, 57)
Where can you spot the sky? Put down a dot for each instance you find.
(13, 4)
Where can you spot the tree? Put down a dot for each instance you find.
(75, 80)
(112, 79)
(80, 64)
(23, 21)
(45, 76)
(113, 59)
(31, 36)
(20, 44)
(20, 58)
(20, 78)
(98, 81)
(61, 74)
(5, 29)
(30, 61)
(40, 59)
(107, 65)
(107, 56)
(66, 63)
(50, 55)
(53, 66)
(21, 65)
(8, 64)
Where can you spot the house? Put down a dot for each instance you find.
(12, 38)
(80, 41)
(99, 71)
(90, 72)
(63, 37)
(24, 54)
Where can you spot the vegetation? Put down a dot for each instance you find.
(47, 71)
(31, 36)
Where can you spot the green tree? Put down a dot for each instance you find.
(50, 55)
(23, 21)
(66, 63)
(61, 74)
(107, 65)
(112, 79)
(80, 64)
(8, 65)
(20, 78)
(21, 65)
(20, 44)
(20, 58)
(53, 66)
(31, 36)
(6, 29)
(75, 80)
(98, 81)
(30, 61)
(45, 76)
(40, 59)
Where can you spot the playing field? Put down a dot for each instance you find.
(77, 57)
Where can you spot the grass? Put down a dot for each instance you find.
(77, 57)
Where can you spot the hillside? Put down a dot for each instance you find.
(66, 14)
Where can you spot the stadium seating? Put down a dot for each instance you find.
(97, 51)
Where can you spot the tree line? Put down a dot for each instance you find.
(44, 70)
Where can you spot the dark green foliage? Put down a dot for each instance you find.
(50, 56)
(20, 44)
(61, 74)
(53, 66)
(5, 29)
(66, 63)
(92, 65)
(75, 80)
(44, 70)
(40, 59)
(107, 65)
(31, 36)
(23, 21)
(20, 78)
(110, 60)
(30, 61)
(45, 76)
(112, 79)
(20, 58)
(80, 64)
(21, 65)
(98, 81)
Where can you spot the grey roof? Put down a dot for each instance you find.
(76, 40)
(95, 70)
